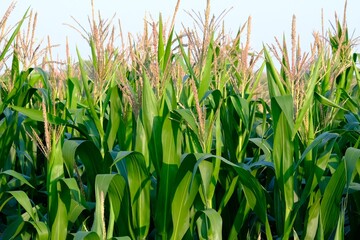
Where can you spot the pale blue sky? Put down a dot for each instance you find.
(270, 18)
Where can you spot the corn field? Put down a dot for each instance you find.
(188, 135)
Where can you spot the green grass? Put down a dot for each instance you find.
(167, 140)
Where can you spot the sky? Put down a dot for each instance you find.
(269, 18)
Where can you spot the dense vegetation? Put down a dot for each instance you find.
(179, 136)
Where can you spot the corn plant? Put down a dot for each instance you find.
(181, 136)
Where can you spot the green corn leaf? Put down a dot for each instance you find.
(206, 172)
(167, 54)
(13, 36)
(352, 157)
(357, 72)
(205, 82)
(242, 108)
(312, 218)
(283, 153)
(148, 127)
(17, 176)
(340, 228)
(42, 231)
(229, 190)
(132, 166)
(171, 141)
(104, 184)
(240, 218)
(37, 115)
(89, 155)
(321, 147)
(319, 141)
(193, 135)
(15, 228)
(330, 205)
(81, 235)
(215, 223)
(255, 85)
(264, 146)
(160, 51)
(72, 91)
(308, 100)
(186, 188)
(189, 119)
(23, 199)
(327, 102)
(94, 56)
(120, 238)
(276, 87)
(15, 70)
(115, 113)
(56, 205)
(59, 227)
(71, 195)
(253, 191)
(187, 61)
(89, 98)
(9, 128)
(34, 114)
(44, 77)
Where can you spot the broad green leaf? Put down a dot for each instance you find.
(322, 147)
(240, 218)
(160, 49)
(72, 91)
(206, 172)
(189, 119)
(205, 82)
(187, 60)
(186, 188)
(327, 102)
(340, 228)
(81, 235)
(276, 87)
(114, 185)
(253, 191)
(13, 36)
(352, 157)
(242, 108)
(15, 228)
(132, 166)
(312, 218)
(9, 133)
(57, 212)
(17, 176)
(42, 232)
(89, 98)
(282, 155)
(229, 191)
(37, 115)
(75, 210)
(167, 55)
(264, 146)
(89, 155)
(121, 238)
(215, 223)
(59, 226)
(114, 121)
(149, 127)
(15, 70)
(330, 205)
(309, 94)
(23, 199)
(171, 141)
